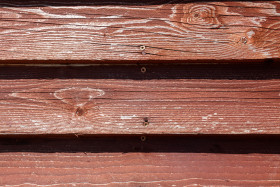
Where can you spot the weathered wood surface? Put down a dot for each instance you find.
(93, 100)
(138, 169)
(83, 163)
(168, 30)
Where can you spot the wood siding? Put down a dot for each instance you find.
(170, 99)
(129, 30)
(139, 93)
(128, 161)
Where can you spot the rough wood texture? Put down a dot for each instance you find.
(138, 169)
(91, 100)
(56, 162)
(166, 30)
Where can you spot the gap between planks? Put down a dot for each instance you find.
(128, 161)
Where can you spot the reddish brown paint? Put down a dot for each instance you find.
(129, 30)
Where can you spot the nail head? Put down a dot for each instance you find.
(142, 47)
(143, 138)
(143, 70)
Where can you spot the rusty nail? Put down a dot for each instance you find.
(142, 47)
(146, 122)
(143, 70)
(143, 138)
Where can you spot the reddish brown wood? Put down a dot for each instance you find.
(138, 169)
(129, 30)
(103, 103)
(164, 161)
(100, 100)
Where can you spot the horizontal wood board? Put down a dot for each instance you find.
(164, 161)
(163, 99)
(144, 30)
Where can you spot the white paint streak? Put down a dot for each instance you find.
(179, 127)
(128, 117)
(90, 94)
(205, 118)
(46, 14)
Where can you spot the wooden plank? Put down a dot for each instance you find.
(134, 169)
(37, 166)
(103, 100)
(146, 30)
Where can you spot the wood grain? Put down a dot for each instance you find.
(58, 162)
(87, 101)
(138, 169)
(129, 30)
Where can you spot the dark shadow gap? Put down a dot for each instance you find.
(44, 3)
(264, 70)
(234, 144)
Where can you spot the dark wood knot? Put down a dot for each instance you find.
(80, 111)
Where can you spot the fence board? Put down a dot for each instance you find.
(124, 100)
(164, 161)
(128, 30)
